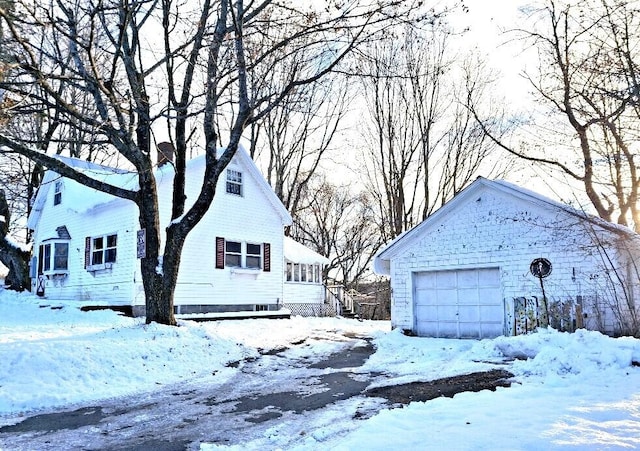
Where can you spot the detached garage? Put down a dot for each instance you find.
(470, 269)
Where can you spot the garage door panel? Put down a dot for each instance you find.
(469, 330)
(488, 277)
(427, 297)
(447, 329)
(463, 304)
(467, 278)
(491, 330)
(427, 312)
(447, 312)
(446, 279)
(490, 313)
(469, 313)
(447, 296)
(468, 296)
(426, 281)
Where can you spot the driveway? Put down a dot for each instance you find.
(264, 393)
(181, 417)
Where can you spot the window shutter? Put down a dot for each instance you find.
(267, 257)
(87, 252)
(219, 253)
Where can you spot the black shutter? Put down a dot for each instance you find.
(219, 253)
(267, 257)
(87, 252)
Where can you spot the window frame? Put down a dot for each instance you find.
(232, 254)
(234, 185)
(58, 187)
(50, 257)
(307, 273)
(107, 252)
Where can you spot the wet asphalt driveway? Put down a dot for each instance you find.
(182, 417)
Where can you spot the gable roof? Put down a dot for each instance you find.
(382, 259)
(86, 198)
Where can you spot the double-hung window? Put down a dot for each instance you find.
(101, 250)
(253, 257)
(234, 182)
(240, 254)
(233, 254)
(57, 192)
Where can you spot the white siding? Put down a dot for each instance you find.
(107, 287)
(247, 218)
(303, 293)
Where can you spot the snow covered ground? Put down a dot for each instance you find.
(572, 391)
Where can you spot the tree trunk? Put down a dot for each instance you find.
(14, 258)
(17, 260)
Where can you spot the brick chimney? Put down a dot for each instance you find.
(165, 153)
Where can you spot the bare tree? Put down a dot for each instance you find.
(588, 88)
(422, 144)
(298, 134)
(202, 63)
(339, 223)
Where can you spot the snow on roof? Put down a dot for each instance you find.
(299, 253)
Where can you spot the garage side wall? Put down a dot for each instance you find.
(493, 229)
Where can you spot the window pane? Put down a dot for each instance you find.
(98, 243)
(110, 256)
(317, 274)
(289, 272)
(60, 257)
(96, 258)
(296, 272)
(233, 247)
(253, 262)
(232, 260)
(254, 249)
(46, 257)
(112, 240)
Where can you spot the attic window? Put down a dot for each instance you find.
(234, 182)
(57, 192)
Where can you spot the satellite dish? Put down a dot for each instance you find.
(541, 268)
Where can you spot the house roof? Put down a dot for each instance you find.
(399, 244)
(85, 198)
(299, 253)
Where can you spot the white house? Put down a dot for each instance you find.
(233, 263)
(499, 259)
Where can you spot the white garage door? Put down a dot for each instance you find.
(459, 304)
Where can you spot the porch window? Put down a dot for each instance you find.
(234, 182)
(297, 272)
